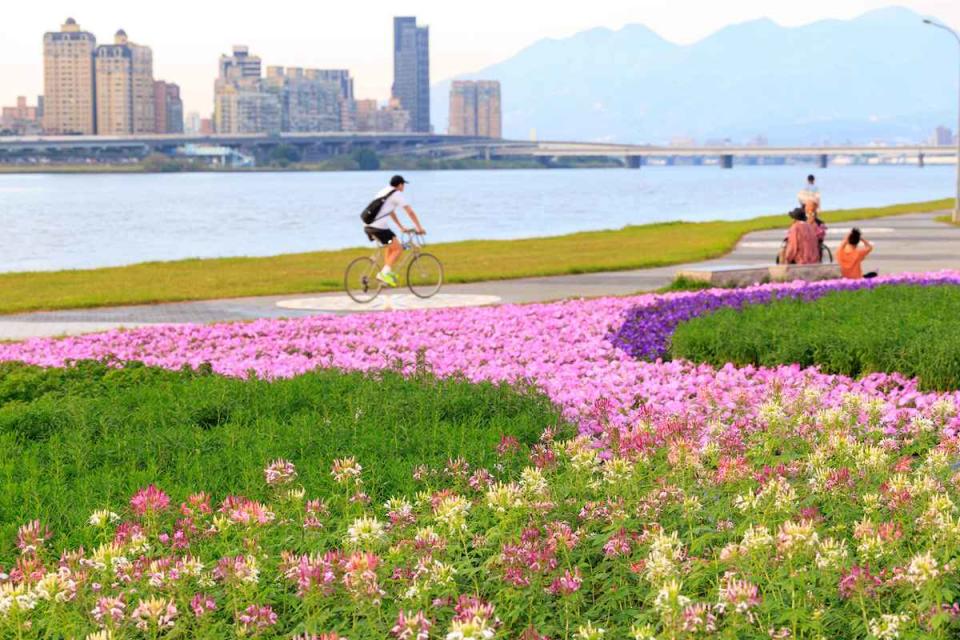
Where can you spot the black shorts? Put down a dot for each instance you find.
(383, 236)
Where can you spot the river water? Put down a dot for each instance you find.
(79, 221)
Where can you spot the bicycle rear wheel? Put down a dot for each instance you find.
(360, 280)
(826, 256)
(425, 275)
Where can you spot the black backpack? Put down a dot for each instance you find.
(371, 213)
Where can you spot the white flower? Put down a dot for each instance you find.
(887, 627)
(475, 629)
(922, 569)
(366, 531)
(589, 632)
(102, 517)
(502, 498)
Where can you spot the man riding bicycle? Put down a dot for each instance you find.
(381, 230)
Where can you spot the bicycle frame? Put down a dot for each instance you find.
(412, 244)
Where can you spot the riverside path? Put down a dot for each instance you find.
(906, 243)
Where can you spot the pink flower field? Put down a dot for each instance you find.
(563, 348)
(735, 503)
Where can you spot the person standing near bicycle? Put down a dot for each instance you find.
(390, 200)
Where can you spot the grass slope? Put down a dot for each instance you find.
(905, 329)
(633, 247)
(84, 438)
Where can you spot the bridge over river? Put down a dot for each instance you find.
(314, 146)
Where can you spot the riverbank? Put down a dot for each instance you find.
(634, 247)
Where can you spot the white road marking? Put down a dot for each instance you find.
(388, 301)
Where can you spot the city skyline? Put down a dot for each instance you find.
(186, 44)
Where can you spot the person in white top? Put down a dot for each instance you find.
(809, 196)
(380, 229)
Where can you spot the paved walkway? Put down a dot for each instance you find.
(913, 242)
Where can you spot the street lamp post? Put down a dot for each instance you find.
(956, 204)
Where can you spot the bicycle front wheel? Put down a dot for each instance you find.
(360, 280)
(425, 275)
(826, 256)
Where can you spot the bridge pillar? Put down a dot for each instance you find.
(920, 160)
(487, 153)
(726, 161)
(823, 160)
(634, 162)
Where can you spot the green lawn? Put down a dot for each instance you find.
(628, 248)
(905, 329)
(85, 438)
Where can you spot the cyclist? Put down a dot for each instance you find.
(381, 231)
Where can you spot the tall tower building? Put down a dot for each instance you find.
(475, 108)
(489, 117)
(68, 80)
(167, 107)
(124, 82)
(463, 108)
(411, 70)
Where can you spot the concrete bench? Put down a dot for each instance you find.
(744, 275)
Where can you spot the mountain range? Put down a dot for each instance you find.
(882, 76)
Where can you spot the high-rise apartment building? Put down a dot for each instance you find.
(244, 107)
(368, 116)
(167, 107)
(240, 65)
(411, 70)
(475, 108)
(124, 88)
(943, 137)
(310, 100)
(291, 99)
(21, 119)
(241, 102)
(341, 77)
(191, 122)
(68, 80)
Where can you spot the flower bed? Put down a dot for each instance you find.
(579, 352)
(804, 524)
(78, 438)
(747, 502)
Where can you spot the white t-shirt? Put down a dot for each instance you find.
(391, 205)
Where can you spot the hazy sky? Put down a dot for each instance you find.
(187, 37)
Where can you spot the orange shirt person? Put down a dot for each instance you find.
(851, 255)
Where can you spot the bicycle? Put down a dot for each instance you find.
(826, 256)
(424, 271)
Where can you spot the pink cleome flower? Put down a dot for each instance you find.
(32, 536)
(566, 584)
(411, 626)
(256, 618)
(150, 500)
(280, 472)
(201, 604)
(109, 611)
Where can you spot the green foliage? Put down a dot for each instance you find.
(159, 163)
(78, 439)
(283, 155)
(366, 159)
(907, 329)
(681, 283)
